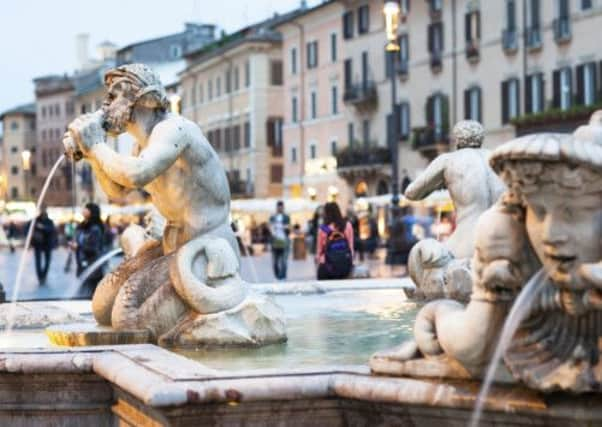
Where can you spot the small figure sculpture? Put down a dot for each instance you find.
(191, 269)
(550, 218)
(473, 187)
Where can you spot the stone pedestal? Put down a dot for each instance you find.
(85, 334)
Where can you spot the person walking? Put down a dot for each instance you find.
(89, 246)
(280, 230)
(43, 240)
(12, 235)
(334, 255)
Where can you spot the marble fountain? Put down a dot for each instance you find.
(175, 336)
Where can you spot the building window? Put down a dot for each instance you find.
(236, 137)
(364, 69)
(228, 139)
(436, 5)
(334, 94)
(312, 54)
(562, 24)
(348, 25)
(404, 121)
(193, 95)
(14, 149)
(363, 19)
(276, 174)
(472, 104)
(217, 136)
(14, 125)
(586, 4)
(218, 87)
(294, 109)
(227, 81)
(293, 155)
(201, 93)
(533, 24)
(70, 108)
(348, 74)
(14, 170)
(509, 34)
(435, 44)
(294, 60)
(563, 88)
(534, 93)
(404, 9)
(312, 151)
(44, 112)
(587, 84)
(57, 110)
(14, 192)
(404, 54)
(437, 115)
(472, 33)
(366, 132)
(333, 47)
(247, 134)
(274, 135)
(175, 51)
(350, 134)
(276, 73)
(236, 79)
(247, 74)
(333, 148)
(44, 135)
(510, 100)
(210, 89)
(313, 105)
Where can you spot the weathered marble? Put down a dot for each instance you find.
(186, 262)
(36, 315)
(549, 220)
(473, 188)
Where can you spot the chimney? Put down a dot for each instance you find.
(303, 5)
(81, 50)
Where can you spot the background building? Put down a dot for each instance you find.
(18, 171)
(233, 90)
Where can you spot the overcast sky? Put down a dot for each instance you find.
(38, 37)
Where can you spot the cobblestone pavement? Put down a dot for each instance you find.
(61, 284)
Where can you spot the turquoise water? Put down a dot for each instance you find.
(344, 327)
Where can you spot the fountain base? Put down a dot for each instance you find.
(87, 334)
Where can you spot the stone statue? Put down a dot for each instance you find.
(549, 219)
(473, 187)
(187, 267)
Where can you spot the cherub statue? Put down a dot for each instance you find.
(550, 218)
(473, 187)
(193, 267)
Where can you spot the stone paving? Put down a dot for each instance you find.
(61, 284)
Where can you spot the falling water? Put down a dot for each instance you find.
(74, 288)
(21, 268)
(519, 310)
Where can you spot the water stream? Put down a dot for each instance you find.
(517, 314)
(23, 260)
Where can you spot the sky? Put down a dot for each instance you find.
(37, 37)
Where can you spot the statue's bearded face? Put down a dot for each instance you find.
(565, 229)
(118, 106)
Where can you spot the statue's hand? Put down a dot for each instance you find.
(87, 131)
(591, 274)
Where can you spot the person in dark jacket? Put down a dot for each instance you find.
(43, 240)
(89, 246)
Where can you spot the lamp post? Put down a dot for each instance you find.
(26, 160)
(396, 238)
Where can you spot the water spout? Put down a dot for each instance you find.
(21, 267)
(517, 314)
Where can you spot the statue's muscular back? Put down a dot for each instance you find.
(193, 193)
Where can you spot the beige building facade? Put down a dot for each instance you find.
(314, 115)
(19, 169)
(233, 90)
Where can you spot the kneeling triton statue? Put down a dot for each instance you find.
(172, 283)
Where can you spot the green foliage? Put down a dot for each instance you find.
(576, 112)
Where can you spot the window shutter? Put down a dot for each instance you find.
(270, 132)
(478, 18)
(556, 89)
(480, 106)
(467, 104)
(316, 56)
(467, 27)
(542, 91)
(517, 96)
(430, 119)
(308, 54)
(596, 81)
(528, 88)
(580, 85)
(505, 98)
(430, 38)
(569, 71)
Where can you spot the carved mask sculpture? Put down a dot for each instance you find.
(557, 181)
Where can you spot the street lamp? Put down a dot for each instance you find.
(26, 160)
(395, 243)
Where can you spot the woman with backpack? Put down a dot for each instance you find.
(334, 252)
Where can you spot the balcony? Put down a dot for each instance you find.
(510, 41)
(360, 95)
(436, 61)
(430, 141)
(533, 37)
(562, 30)
(403, 69)
(472, 51)
(362, 161)
(241, 189)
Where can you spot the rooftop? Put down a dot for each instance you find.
(28, 109)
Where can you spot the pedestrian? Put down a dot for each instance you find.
(12, 235)
(89, 245)
(405, 182)
(280, 230)
(43, 241)
(334, 255)
(368, 233)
